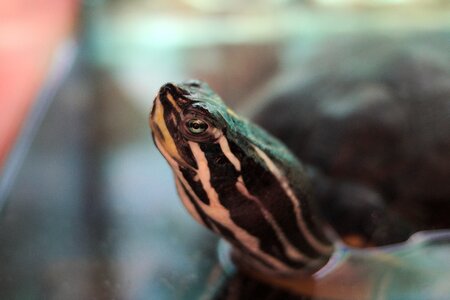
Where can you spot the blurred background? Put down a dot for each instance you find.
(88, 208)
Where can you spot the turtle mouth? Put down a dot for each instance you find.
(165, 120)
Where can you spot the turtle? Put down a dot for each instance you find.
(246, 186)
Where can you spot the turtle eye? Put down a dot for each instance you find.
(196, 126)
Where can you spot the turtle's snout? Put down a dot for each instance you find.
(167, 88)
(176, 91)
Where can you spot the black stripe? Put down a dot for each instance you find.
(299, 184)
(244, 212)
(196, 186)
(223, 231)
(314, 224)
(265, 186)
(175, 133)
(203, 216)
(230, 237)
(158, 132)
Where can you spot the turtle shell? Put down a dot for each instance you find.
(375, 123)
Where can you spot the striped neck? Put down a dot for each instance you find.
(239, 182)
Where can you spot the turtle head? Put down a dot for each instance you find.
(237, 180)
(185, 115)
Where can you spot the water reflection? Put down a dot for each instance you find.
(88, 217)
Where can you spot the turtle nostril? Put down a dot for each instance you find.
(167, 88)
